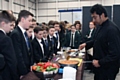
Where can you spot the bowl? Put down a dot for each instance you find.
(46, 74)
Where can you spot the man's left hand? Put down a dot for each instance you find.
(95, 63)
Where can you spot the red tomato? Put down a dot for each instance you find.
(34, 67)
(46, 65)
(55, 65)
(40, 64)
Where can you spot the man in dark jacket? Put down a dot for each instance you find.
(9, 72)
(106, 43)
(21, 42)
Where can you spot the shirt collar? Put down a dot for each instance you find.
(50, 36)
(3, 31)
(56, 31)
(22, 29)
(39, 40)
(73, 33)
(44, 38)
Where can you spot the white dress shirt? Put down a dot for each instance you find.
(41, 45)
(3, 31)
(71, 38)
(58, 45)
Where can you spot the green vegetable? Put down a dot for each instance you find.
(38, 69)
(50, 68)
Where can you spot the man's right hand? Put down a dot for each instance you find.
(82, 46)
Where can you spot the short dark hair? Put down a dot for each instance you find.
(99, 9)
(25, 14)
(45, 28)
(51, 22)
(33, 20)
(71, 26)
(6, 17)
(37, 29)
(51, 26)
(56, 22)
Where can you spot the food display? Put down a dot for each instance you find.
(47, 68)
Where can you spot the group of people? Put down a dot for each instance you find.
(30, 43)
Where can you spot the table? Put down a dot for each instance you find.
(32, 75)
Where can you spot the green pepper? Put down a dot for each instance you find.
(38, 69)
(50, 68)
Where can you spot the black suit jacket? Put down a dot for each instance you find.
(76, 40)
(106, 47)
(9, 72)
(38, 55)
(62, 39)
(53, 47)
(47, 48)
(24, 56)
(2, 62)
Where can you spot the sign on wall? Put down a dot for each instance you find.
(70, 15)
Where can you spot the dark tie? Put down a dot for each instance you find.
(52, 40)
(56, 36)
(72, 41)
(27, 40)
(46, 43)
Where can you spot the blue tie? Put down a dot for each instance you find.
(27, 40)
(46, 43)
(56, 36)
(52, 40)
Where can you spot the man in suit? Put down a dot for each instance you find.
(106, 45)
(72, 38)
(46, 42)
(9, 72)
(38, 47)
(57, 34)
(21, 42)
(52, 40)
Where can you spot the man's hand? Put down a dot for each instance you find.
(82, 46)
(21, 76)
(95, 63)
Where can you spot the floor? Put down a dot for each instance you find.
(89, 76)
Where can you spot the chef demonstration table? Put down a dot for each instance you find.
(79, 74)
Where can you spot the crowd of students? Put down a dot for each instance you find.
(24, 42)
(27, 42)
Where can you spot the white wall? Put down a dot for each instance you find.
(49, 10)
(17, 5)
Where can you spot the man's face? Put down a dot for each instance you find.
(9, 26)
(29, 32)
(34, 24)
(57, 27)
(51, 31)
(91, 25)
(39, 35)
(73, 28)
(27, 22)
(45, 34)
(97, 19)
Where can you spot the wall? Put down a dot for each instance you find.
(48, 9)
(17, 5)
